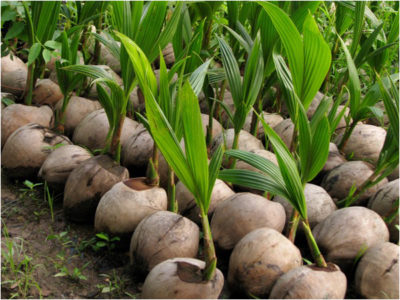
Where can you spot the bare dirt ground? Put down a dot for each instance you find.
(42, 258)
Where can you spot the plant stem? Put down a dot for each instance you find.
(319, 259)
(96, 54)
(30, 83)
(115, 140)
(293, 225)
(172, 203)
(60, 121)
(210, 256)
(254, 118)
(152, 175)
(232, 161)
(346, 135)
(209, 135)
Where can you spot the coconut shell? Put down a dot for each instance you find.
(377, 274)
(384, 203)
(285, 130)
(187, 204)
(161, 236)
(339, 180)
(247, 142)
(15, 116)
(127, 203)
(180, 278)
(168, 53)
(137, 149)
(365, 142)
(242, 213)
(343, 234)
(60, 163)
(259, 259)
(314, 104)
(217, 127)
(46, 92)
(27, 148)
(311, 282)
(87, 183)
(93, 129)
(77, 109)
(14, 74)
(319, 204)
(395, 174)
(334, 158)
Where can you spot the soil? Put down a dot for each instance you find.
(43, 248)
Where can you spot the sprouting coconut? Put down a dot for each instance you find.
(285, 130)
(78, 108)
(217, 127)
(180, 278)
(334, 158)
(240, 214)
(319, 204)
(241, 165)
(16, 115)
(384, 203)
(187, 204)
(259, 259)
(365, 142)
(27, 148)
(13, 75)
(247, 142)
(395, 174)
(46, 92)
(161, 236)
(127, 203)
(61, 162)
(377, 274)
(339, 181)
(347, 231)
(93, 90)
(93, 129)
(311, 282)
(87, 183)
(137, 149)
(314, 104)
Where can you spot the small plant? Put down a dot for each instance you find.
(30, 189)
(76, 274)
(49, 199)
(114, 285)
(105, 241)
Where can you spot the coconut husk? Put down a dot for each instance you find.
(14, 74)
(15, 116)
(27, 148)
(46, 92)
(87, 183)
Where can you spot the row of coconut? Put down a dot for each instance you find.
(263, 261)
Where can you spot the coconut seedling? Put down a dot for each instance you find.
(42, 18)
(67, 80)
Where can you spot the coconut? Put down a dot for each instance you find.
(365, 142)
(169, 56)
(312, 108)
(311, 282)
(60, 163)
(217, 127)
(187, 203)
(285, 130)
(14, 74)
(343, 234)
(241, 165)
(334, 158)
(339, 181)
(46, 92)
(259, 259)
(137, 149)
(127, 203)
(270, 118)
(384, 203)
(240, 214)
(87, 183)
(319, 204)
(395, 174)
(27, 148)
(247, 142)
(16, 115)
(161, 236)
(377, 274)
(77, 109)
(109, 59)
(180, 278)
(342, 123)
(93, 129)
